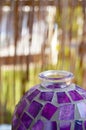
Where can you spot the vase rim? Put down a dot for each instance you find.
(56, 75)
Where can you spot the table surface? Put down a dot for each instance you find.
(5, 127)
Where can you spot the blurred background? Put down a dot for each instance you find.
(38, 35)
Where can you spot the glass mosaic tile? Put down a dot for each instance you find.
(21, 107)
(66, 112)
(75, 95)
(65, 125)
(48, 111)
(62, 97)
(78, 125)
(26, 120)
(21, 127)
(38, 125)
(50, 125)
(82, 109)
(33, 94)
(46, 96)
(34, 108)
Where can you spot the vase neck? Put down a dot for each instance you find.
(55, 78)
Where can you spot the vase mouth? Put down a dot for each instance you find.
(56, 76)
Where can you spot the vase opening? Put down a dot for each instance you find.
(56, 77)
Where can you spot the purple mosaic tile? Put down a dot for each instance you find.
(38, 125)
(82, 109)
(33, 95)
(75, 95)
(48, 111)
(50, 125)
(85, 125)
(34, 108)
(65, 126)
(66, 112)
(62, 97)
(21, 127)
(78, 125)
(21, 107)
(26, 120)
(46, 96)
(15, 121)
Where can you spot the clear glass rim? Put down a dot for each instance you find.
(56, 75)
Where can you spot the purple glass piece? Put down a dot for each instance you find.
(15, 121)
(48, 111)
(75, 95)
(38, 125)
(66, 112)
(65, 125)
(21, 107)
(33, 95)
(46, 96)
(85, 125)
(31, 90)
(26, 120)
(50, 125)
(62, 97)
(21, 127)
(78, 125)
(34, 108)
(82, 109)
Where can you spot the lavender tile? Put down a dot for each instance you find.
(66, 112)
(48, 111)
(50, 125)
(33, 95)
(65, 126)
(34, 108)
(46, 96)
(82, 109)
(75, 95)
(26, 120)
(21, 107)
(38, 125)
(78, 125)
(62, 97)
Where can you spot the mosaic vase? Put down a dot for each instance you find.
(55, 104)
